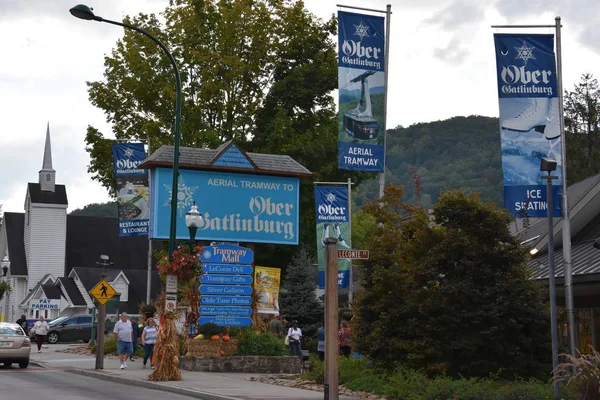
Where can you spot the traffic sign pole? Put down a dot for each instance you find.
(100, 332)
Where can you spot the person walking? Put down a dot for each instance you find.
(149, 336)
(124, 333)
(295, 334)
(40, 329)
(135, 334)
(321, 342)
(344, 340)
(276, 327)
(22, 322)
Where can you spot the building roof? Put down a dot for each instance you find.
(59, 196)
(52, 292)
(70, 287)
(14, 224)
(228, 157)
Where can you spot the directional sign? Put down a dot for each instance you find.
(226, 300)
(225, 311)
(354, 254)
(103, 292)
(224, 289)
(227, 253)
(227, 279)
(226, 321)
(241, 269)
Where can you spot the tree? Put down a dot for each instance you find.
(108, 209)
(582, 120)
(450, 292)
(298, 299)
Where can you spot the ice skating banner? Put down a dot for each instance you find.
(529, 121)
(333, 220)
(132, 189)
(361, 83)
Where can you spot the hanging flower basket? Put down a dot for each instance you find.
(185, 264)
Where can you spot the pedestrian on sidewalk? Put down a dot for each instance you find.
(22, 322)
(276, 326)
(135, 334)
(124, 333)
(294, 334)
(149, 336)
(344, 340)
(40, 329)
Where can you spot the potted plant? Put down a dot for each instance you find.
(149, 310)
(4, 288)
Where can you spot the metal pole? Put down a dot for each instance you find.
(100, 332)
(360, 8)
(331, 321)
(552, 282)
(566, 222)
(385, 94)
(175, 185)
(149, 277)
(350, 284)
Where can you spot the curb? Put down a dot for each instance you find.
(38, 364)
(150, 385)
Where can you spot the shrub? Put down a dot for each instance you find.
(210, 329)
(251, 343)
(582, 374)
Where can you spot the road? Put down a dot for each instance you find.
(51, 383)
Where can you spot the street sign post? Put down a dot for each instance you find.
(103, 292)
(353, 254)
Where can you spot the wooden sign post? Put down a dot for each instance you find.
(331, 321)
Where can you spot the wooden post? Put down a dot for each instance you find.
(331, 320)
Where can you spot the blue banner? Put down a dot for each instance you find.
(227, 269)
(235, 207)
(225, 321)
(133, 194)
(361, 84)
(225, 311)
(529, 121)
(226, 279)
(227, 253)
(333, 220)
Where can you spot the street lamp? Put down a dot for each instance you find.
(5, 266)
(548, 165)
(84, 12)
(104, 262)
(193, 219)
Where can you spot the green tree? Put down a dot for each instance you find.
(450, 292)
(298, 299)
(582, 120)
(108, 209)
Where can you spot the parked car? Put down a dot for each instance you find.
(15, 346)
(71, 328)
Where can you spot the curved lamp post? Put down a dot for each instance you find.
(82, 11)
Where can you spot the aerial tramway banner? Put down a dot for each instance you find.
(361, 83)
(529, 121)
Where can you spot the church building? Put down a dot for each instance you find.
(50, 259)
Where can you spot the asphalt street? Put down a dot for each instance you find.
(50, 383)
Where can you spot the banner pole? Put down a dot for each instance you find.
(566, 223)
(351, 275)
(385, 94)
(149, 278)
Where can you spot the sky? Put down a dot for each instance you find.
(441, 65)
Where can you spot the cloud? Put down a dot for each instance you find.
(457, 15)
(453, 53)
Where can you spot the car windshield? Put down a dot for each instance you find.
(11, 330)
(57, 320)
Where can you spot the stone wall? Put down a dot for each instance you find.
(249, 364)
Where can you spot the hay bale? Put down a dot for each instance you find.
(204, 348)
(229, 348)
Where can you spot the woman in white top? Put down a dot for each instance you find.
(40, 329)
(149, 337)
(294, 333)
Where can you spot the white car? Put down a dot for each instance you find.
(15, 346)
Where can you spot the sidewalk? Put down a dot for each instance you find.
(200, 385)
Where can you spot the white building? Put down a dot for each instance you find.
(52, 256)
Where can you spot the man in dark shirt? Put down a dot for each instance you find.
(22, 322)
(135, 335)
(276, 327)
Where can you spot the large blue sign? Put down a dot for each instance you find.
(227, 269)
(225, 321)
(226, 289)
(226, 279)
(227, 253)
(226, 300)
(235, 207)
(225, 311)
(133, 195)
(361, 84)
(530, 127)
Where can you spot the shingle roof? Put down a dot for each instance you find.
(72, 291)
(59, 196)
(15, 232)
(194, 158)
(52, 292)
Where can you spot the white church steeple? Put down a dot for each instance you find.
(47, 178)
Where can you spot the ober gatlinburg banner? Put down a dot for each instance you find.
(132, 189)
(361, 83)
(529, 121)
(333, 220)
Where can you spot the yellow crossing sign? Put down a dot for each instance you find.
(103, 292)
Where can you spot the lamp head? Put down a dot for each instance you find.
(193, 218)
(548, 165)
(82, 11)
(5, 265)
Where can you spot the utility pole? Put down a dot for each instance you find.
(331, 320)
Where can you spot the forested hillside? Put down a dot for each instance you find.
(458, 153)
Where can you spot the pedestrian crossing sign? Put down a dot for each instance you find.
(103, 292)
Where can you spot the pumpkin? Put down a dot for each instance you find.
(226, 338)
(199, 337)
(215, 338)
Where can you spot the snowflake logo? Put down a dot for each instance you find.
(206, 254)
(128, 152)
(525, 53)
(185, 196)
(362, 30)
(331, 197)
